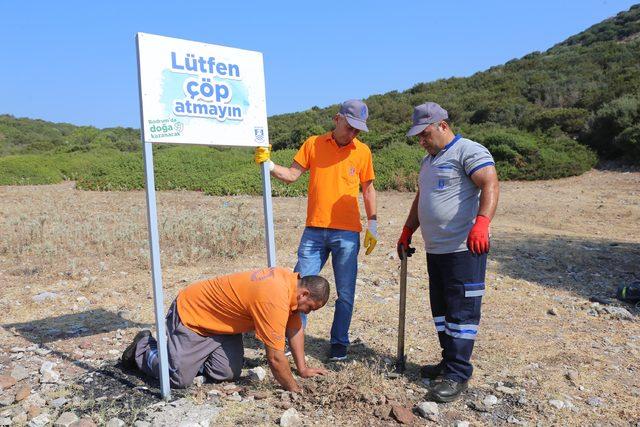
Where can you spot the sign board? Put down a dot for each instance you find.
(198, 93)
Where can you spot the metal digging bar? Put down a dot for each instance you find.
(400, 363)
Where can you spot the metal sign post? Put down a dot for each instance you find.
(156, 271)
(269, 237)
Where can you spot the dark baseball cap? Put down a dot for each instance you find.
(356, 113)
(424, 115)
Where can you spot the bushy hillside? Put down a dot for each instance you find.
(586, 88)
(542, 116)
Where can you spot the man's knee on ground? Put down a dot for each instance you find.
(179, 381)
(231, 372)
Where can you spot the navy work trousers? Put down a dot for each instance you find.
(456, 287)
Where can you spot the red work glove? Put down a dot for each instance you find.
(478, 239)
(404, 241)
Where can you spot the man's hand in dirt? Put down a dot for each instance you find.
(263, 155)
(478, 239)
(312, 372)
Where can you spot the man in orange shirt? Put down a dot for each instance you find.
(206, 322)
(338, 163)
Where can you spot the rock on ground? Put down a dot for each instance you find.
(257, 374)
(428, 410)
(116, 422)
(65, 420)
(290, 418)
(6, 381)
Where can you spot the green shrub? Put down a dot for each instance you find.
(611, 129)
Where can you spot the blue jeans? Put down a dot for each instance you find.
(315, 246)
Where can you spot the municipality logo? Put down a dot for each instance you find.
(259, 134)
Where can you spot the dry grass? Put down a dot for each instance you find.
(555, 244)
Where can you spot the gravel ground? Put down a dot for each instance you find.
(554, 347)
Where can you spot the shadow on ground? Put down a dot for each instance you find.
(68, 326)
(586, 267)
(77, 325)
(318, 348)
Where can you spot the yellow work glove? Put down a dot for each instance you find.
(371, 236)
(263, 155)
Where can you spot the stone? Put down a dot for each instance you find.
(7, 399)
(33, 411)
(618, 313)
(558, 404)
(185, 413)
(402, 415)
(428, 410)
(514, 420)
(34, 399)
(20, 419)
(6, 381)
(257, 374)
(48, 374)
(59, 402)
(478, 406)
(383, 411)
(19, 372)
(115, 422)
(572, 376)
(5, 421)
(235, 397)
(66, 419)
(84, 422)
(552, 311)
(290, 418)
(199, 381)
(141, 424)
(45, 296)
(259, 395)
(490, 400)
(23, 392)
(43, 351)
(458, 423)
(40, 421)
(506, 390)
(594, 401)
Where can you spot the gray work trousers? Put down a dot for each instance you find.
(220, 356)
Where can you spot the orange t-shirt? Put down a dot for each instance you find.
(334, 182)
(263, 300)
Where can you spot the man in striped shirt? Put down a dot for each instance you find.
(456, 200)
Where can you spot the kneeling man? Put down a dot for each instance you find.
(206, 321)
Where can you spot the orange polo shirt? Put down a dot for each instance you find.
(260, 300)
(334, 182)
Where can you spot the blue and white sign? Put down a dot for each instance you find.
(198, 93)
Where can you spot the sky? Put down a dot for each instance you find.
(75, 61)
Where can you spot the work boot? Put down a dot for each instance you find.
(447, 390)
(432, 372)
(128, 358)
(338, 352)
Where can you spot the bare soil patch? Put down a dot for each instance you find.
(76, 287)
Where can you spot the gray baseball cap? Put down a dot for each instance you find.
(424, 115)
(356, 113)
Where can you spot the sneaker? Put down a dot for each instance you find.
(287, 350)
(338, 352)
(432, 372)
(128, 358)
(448, 390)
